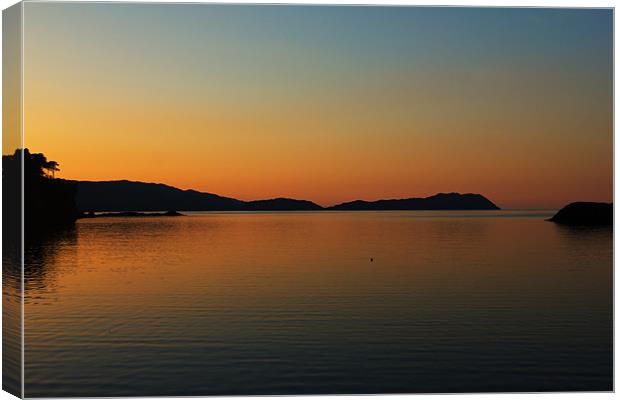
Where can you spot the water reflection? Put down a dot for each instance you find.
(11, 314)
(291, 304)
(41, 253)
(40, 263)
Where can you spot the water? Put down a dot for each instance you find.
(11, 311)
(290, 303)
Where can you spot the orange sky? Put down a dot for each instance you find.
(262, 102)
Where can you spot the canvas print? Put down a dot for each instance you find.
(230, 199)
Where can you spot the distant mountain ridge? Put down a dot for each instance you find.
(124, 195)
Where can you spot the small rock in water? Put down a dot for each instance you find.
(585, 213)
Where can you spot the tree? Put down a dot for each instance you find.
(51, 166)
(28, 179)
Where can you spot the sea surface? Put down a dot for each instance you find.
(318, 302)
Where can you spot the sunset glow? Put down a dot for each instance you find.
(327, 104)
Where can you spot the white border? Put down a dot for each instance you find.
(470, 3)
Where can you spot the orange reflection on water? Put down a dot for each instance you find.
(246, 281)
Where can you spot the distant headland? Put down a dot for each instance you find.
(123, 195)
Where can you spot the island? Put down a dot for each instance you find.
(440, 201)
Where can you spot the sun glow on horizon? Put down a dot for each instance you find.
(256, 102)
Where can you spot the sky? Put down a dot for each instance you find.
(326, 103)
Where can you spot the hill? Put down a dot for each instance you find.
(139, 196)
(115, 196)
(440, 201)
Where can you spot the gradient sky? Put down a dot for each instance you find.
(326, 103)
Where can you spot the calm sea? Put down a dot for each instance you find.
(291, 303)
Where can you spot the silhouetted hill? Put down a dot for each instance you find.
(139, 196)
(115, 196)
(585, 213)
(440, 201)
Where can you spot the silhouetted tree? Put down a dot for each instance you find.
(51, 167)
(48, 201)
